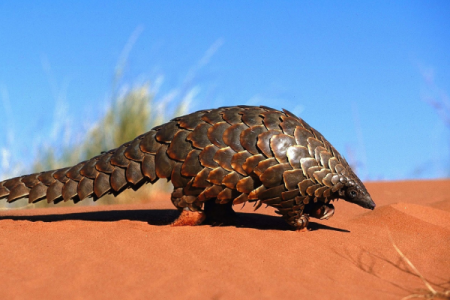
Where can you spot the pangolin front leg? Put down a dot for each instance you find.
(225, 156)
(322, 211)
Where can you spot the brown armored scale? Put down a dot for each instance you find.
(214, 158)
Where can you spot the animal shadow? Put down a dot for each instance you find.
(163, 217)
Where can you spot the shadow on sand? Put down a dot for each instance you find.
(161, 217)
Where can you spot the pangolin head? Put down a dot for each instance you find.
(354, 191)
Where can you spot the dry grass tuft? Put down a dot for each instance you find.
(430, 292)
(130, 114)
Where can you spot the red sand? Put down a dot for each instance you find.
(129, 251)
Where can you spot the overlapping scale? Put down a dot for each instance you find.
(190, 121)
(223, 158)
(201, 179)
(180, 146)
(163, 164)
(69, 190)
(295, 153)
(264, 142)
(231, 179)
(10, 183)
(216, 175)
(18, 191)
(30, 180)
(178, 180)
(61, 174)
(238, 160)
(213, 116)
(226, 195)
(89, 170)
(240, 199)
(252, 162)
(47, 177)
(291, 178)
(148, 143)
(215, 133)
(103, 164)
(191, 165)
(118, 179)
(148, 167)
(133, 173)
(302, 135)
(272, 120)
(263, 165)
(245, 185)
(133, 151)
(279, 144)
(38, 192)
(313, 143)
(232, 115)
(85, 188)
(249, 138)
(199, 136)
(289, 124)
(166, 133)
(54, 191)
(273, 176)
(101, 184)
(231, 136)
(206, 156)
(252, 117)
(118, 158)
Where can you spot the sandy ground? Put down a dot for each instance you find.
(130, 251)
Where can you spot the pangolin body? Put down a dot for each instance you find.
(228, 155)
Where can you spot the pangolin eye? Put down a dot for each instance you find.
(353, 193)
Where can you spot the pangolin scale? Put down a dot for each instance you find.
(226, 156)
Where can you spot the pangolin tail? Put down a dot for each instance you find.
(129, 166)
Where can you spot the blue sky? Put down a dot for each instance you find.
(358, 71)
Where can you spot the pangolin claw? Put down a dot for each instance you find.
(302, 223)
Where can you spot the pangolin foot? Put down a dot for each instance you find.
(323, 212)
(189, 218)
(302, 223)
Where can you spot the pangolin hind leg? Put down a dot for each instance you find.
(192, 213)
(189, 218)
(190, 207)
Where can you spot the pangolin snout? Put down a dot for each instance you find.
(370, 204)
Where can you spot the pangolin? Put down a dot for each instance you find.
(219, 157)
